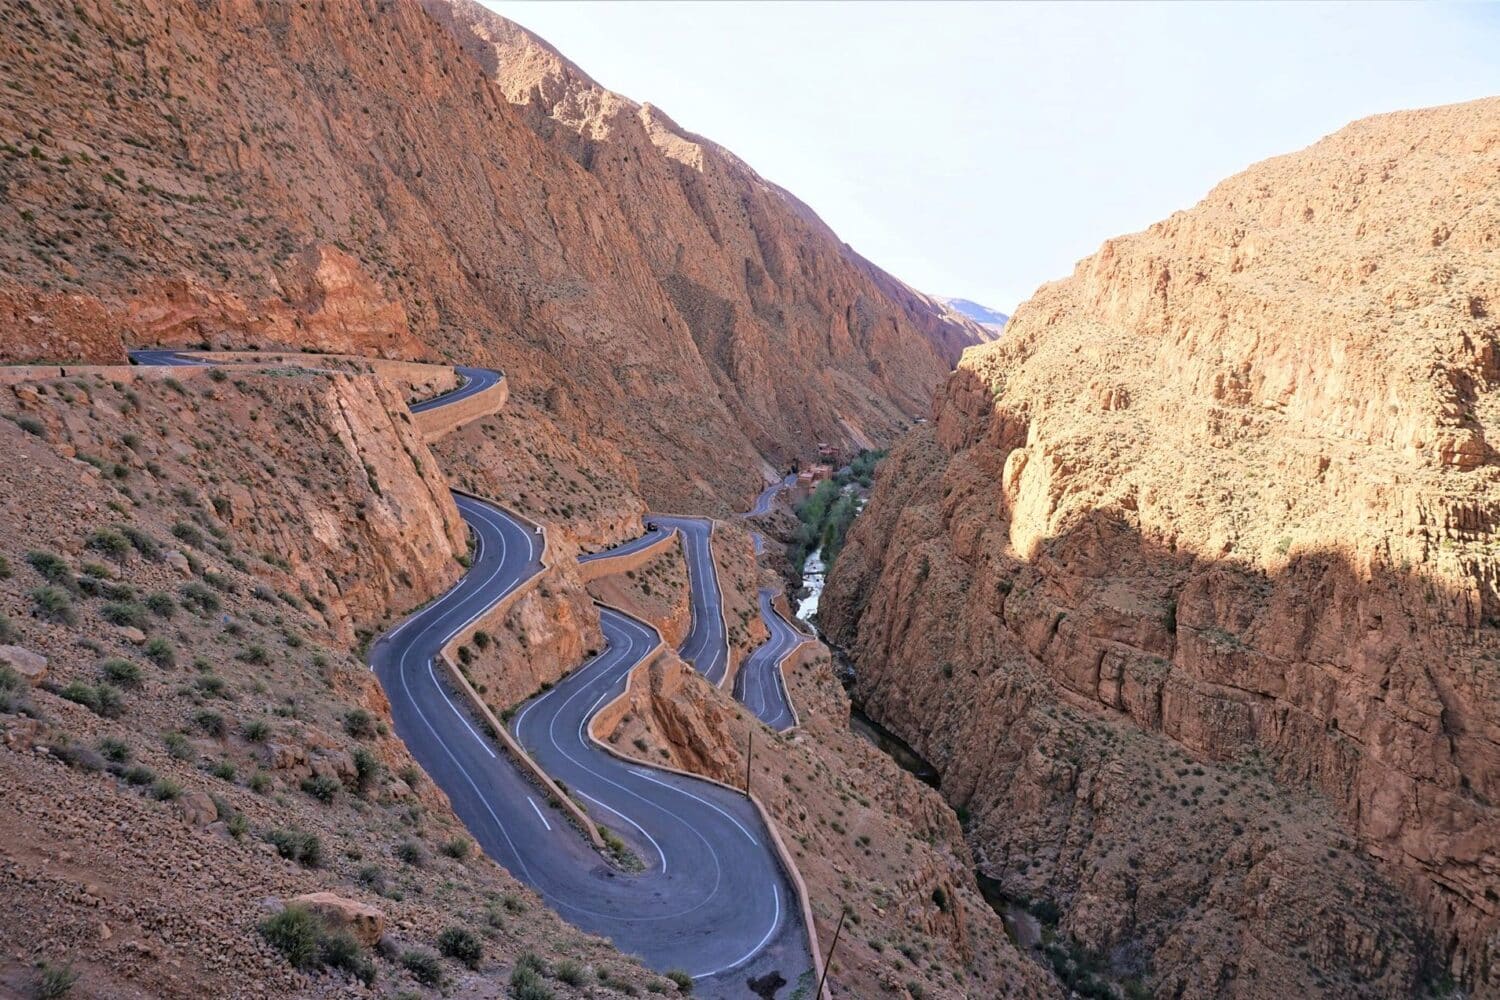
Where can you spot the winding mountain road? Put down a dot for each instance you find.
(711, 899)
(654, 533)
(767, 498)
(760, 685)
(710, 895)
(706, 646)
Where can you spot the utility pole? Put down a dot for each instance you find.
(749, 756)
(818, 993)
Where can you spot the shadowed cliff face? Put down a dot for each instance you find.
(347, 177)
(1194, 573)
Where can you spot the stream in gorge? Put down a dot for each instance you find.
(1023, 928)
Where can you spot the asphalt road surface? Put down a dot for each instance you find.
(711, 898)
(707, 893)
(767, 498)
(654, 532)
(706, 646)
(760, 685)
(170, 358)
(472, 381)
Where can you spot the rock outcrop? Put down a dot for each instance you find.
(354, 177)
(1217, 516)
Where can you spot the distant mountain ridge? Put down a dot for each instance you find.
(983, 315)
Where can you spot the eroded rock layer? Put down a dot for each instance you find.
(1190, 588)
(354, 178)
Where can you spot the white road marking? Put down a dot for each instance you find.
(775, 922)
(604, 805)
(684, 791)
(538, 812)
(461, 718)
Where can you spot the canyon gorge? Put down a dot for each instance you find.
(1182, 579)
(1190, 581)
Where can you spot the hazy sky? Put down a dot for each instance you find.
(978, 150)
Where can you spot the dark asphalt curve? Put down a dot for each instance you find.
(654, 533)
(767, 498)
(710, 896)
(711, 899)
(472, 381)
(760, 685)
(174, 359)
(706, 645)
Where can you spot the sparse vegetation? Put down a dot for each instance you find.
(306, 943)
(425, 967)
(297, 845)
(53, 604)
(54, 981)
(462, 945)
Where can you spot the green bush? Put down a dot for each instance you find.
(178, 746)
(199, 598)
(124, 613)
(211, 724)
(52, 567)
(359, 723)
(121, 672)
(54, 604)
(322, 787)
(114, 750)
(340, 951)
(160, 652)
(461, 944)
(410, 852)
(110, 542)
(424, 966)
(188, 533)
(682, 979)
(143, 543)
(257, 730)
(161, 604)
(570, 972)
(254, 653)
(53, 982)
(297, 934)
(366, 769)
(138, 775)
(166, 790)
(7, 630)
(223, 770)
(297, 845)
(101, 699)
(458, 848)
(526, 979)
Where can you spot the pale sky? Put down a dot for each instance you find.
(978, 150)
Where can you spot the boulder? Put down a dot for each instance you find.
(283, 756)
(361, 920)
(30, 665)
(197, 808)
(131, 634)
(178, 562)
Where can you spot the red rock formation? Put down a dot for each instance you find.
(1228, 485)
(349, 177)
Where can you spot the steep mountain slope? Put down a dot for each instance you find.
(345, 177)
(763, 284)
(1192, 583)
(188, 735)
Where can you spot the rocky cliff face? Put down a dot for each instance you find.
(1192, 582)
(764, 287)
(354, 177)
